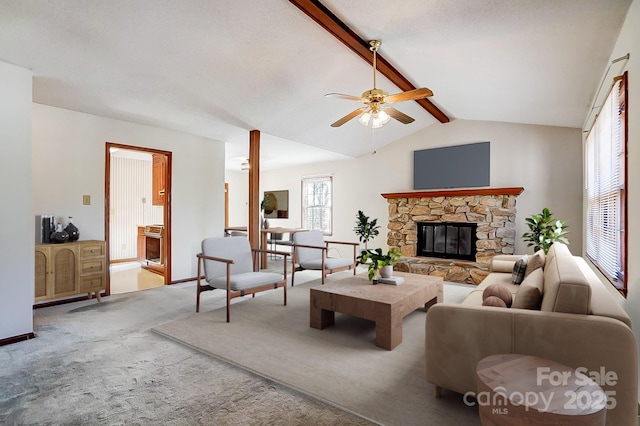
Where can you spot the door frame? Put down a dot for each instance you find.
(166, 212)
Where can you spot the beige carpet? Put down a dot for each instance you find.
(340, 365)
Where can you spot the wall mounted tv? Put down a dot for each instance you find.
(459, 166)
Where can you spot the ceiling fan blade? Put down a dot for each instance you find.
(410, 95)
(347, 97)
(349, 116)
(400, 116)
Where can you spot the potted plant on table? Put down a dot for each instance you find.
(365, 229)
(544, 230)
(377, 261)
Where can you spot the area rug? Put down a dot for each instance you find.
(340, 365)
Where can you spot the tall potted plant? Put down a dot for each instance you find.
(365, 229)
(544, 230)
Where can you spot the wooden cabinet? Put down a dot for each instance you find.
(158, 179)
(141, 245)
(68, 269)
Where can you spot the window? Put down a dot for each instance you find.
(316, 204)
(606, 166)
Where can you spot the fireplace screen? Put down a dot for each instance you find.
(447, 240)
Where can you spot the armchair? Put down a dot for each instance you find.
(230, 264)
(310, 252)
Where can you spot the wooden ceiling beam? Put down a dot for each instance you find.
(331, 23)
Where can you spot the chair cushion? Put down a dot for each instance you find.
(329, 263)
(233, 248)
(246, 280)
(309, 238)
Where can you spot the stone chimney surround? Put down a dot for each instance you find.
(492, 209)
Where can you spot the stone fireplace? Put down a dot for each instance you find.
(448, 240)
(491, 212)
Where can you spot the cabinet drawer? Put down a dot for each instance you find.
(92, 266)
(91, 250)
(92, 283)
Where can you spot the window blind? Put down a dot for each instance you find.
(605, 173)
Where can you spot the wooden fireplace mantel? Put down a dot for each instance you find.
(516, 190)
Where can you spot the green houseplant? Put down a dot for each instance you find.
(375, 259)
(365, 229)
(544, 230)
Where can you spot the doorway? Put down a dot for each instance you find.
(137, 217)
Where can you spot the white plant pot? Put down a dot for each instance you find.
(386, 271)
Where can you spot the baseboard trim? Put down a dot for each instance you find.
(64, 301)
(185, 280)
(16, 339)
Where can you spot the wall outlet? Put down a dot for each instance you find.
(144, 200)
(86, 200)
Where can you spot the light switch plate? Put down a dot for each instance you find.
(86, 200)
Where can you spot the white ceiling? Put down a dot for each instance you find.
(219, 68)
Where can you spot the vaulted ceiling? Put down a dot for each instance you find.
(219, 68)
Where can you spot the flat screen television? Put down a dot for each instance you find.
(459, 166)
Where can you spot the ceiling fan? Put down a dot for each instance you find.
(375, 98)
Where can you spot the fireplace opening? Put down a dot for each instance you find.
(449, 240)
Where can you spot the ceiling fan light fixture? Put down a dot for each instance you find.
(380, 118)
(364, 118)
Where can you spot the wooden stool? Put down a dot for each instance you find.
(518, 389)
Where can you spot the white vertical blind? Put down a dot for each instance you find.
(605, 169)
(131, 196)
(316, 204)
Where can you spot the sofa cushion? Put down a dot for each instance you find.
(496, 290)
(565, 287)
(535, 261)
(529, 295)
(494, 301)
(519, 270)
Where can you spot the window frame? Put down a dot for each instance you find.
(303, 184)
(593, 237)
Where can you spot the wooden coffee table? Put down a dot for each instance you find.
(384, 304)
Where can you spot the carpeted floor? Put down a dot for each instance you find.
(340, 365)
(99, 363)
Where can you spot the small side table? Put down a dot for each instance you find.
(515, 389)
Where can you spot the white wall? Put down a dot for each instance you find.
(546, 161)
(629, 42)
(17, 224)
(69, 161)
(238, 197)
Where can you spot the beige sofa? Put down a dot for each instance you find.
(579, 324)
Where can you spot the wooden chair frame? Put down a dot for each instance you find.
(325, 250)
(239, 293)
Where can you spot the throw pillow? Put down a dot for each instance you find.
(496, 290)
(529, 295)
(535, 261)
(519, 269)
(494, 301)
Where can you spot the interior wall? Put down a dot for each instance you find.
(629, 42)
(545, 160)
(69, 160)
(17, 232)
